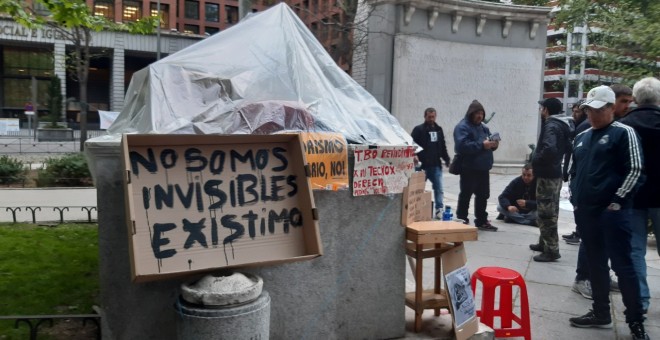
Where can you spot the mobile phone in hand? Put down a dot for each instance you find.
(495, 137)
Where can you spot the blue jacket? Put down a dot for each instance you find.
(469, 143)
(607, 167)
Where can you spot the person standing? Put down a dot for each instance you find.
(473, 143)
(624, 97)
(430, 137)
(645, 119)
(606, 171)
(554, 142)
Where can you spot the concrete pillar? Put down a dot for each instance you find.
(356, 290)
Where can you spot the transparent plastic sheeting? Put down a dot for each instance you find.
(266, 74)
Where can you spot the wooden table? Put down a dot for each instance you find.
(428, 239)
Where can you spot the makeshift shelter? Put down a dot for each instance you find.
(267, 73)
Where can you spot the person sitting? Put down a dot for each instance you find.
(517, 203)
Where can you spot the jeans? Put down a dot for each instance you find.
(528, 218)
(608, 234)
(639, 222)
(434, 174)
(475, 182)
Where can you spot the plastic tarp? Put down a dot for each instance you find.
(266, 74)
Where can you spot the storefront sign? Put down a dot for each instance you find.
(15, 30)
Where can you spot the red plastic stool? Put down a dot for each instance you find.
(491, 278)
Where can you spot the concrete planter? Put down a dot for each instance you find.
(54, 134)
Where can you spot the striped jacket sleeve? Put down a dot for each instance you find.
(633, 164)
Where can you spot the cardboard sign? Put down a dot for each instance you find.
(327, 158)
(201, 202)
(417, 203)
(382, 169)
(459, 292)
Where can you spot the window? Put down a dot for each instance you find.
(576, 64)
(104, 8)
(232, 14)
(211, 30)
(19, 64)
(212, 12)
(192, 9)
(164, 14)
(576, 42)
(132, 10)
(193, 29)
(573, 88)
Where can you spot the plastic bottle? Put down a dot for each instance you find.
(447, 215)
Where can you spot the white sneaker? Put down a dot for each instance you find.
(583, 287)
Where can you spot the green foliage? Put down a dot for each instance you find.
(46, 271)
(54, 101)
(11, 170)
(69, 171)
(626, 33)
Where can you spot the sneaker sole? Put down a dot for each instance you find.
(572, 242)
(583, 295)
(607, 326)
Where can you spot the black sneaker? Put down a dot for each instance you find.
(487, 227)
(637, 331)
(536, 247)
(591, 320)
(547, 257)
(571, 235)
(573, 240)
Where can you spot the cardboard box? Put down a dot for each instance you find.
(202, 202)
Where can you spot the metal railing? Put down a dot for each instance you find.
(51, 213)
(23, 142)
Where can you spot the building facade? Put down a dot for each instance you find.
(29, 58)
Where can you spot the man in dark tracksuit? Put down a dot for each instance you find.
(430, 137)
(606, 171)
(554, 142)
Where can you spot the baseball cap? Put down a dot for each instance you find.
(599, 97)
(553, 105)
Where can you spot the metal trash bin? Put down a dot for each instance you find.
(240, 316)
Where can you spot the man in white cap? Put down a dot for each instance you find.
(606, 172)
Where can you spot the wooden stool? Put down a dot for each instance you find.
(491, 278)
(428, 239)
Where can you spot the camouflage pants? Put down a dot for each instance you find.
(547, 200)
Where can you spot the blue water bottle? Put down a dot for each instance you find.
(447, 215)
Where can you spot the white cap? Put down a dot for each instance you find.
(599, 96)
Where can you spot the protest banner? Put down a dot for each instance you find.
(200, 202)
(327, 159)
(381, 170)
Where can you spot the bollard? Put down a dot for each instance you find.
(224, 307)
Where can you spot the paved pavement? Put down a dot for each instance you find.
(549, 284)
(551, 300)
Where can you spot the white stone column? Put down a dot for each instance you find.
(117, 80)
(59, 60)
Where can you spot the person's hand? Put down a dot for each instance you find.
(489, 144)
(512, 209)
(521, 203)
